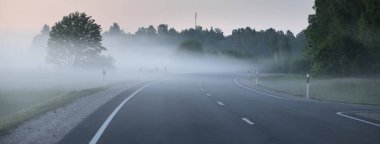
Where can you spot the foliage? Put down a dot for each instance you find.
(115, 30)
(191, 46)
(343, 37)
(75, 41)
(40, 41)
(300, 66)
(242, 43)
(237, 54)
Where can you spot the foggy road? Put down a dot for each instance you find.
(214, 108)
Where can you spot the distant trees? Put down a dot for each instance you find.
(115, 30)
(162, 29)
(147, 32)
(344, 37)
(75, 41)
(191, 46)
(39, 42)
(246, 43)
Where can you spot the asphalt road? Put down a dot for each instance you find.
(213, 109)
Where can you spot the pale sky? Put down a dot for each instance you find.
(30, 15)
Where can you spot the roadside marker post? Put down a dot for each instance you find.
(307, 85)
(257, 77)
(104, 77)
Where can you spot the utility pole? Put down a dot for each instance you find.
(196, 15)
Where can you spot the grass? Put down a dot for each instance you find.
(348, 90)
(20, 106)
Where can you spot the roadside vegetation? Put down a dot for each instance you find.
(347, 90)
(19, 106)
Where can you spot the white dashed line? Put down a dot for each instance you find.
(208, 94)
(247, 121)
(347, 116)
(220, 103)
(202, 89)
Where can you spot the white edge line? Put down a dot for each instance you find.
(220, 103)
(247, 121)
(99, 133)
(236, 81)
(347, 116)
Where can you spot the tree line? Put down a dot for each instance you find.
(283, 48)
(76, 41)
(341, 40)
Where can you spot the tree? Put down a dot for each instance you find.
(39, 42)
(274, 46)
(162, 29)
(75, 41)
(115, 30)
(191, 46)
(342, 37)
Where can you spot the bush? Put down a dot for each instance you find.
(191, 46)
(301, 66)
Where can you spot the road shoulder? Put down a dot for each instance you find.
(370, 117)
(54, 125)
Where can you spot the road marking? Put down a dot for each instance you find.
(347, 116)
(99, 133)
(220, 103)
(247, 121)
(202, 89)
(243, 86)
(208, 94)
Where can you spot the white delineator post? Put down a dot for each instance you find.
(307, 85)
(104, 77)
(257, 77)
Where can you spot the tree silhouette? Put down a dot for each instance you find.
(75, 41)
(115, 30)
(39, 42)
(191, 46)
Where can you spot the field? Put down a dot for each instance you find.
(348, 90)
(27, 94)
(19, 106)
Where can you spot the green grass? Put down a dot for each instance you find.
(19, 106)
(349, 90)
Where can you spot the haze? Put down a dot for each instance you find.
(26, 15)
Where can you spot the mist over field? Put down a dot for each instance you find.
(23, 64)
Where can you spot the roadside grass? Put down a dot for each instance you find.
(19, 106)
(348, 90)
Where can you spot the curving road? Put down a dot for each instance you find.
(216, 109)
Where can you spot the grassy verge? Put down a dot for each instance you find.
(349, 90)
(37, 105)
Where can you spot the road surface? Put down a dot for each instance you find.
(214, 109)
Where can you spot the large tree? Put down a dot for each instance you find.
(344, 36)
(75, 41)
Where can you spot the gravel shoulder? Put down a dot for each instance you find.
(54, 125)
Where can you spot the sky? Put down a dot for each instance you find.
(31, 15)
